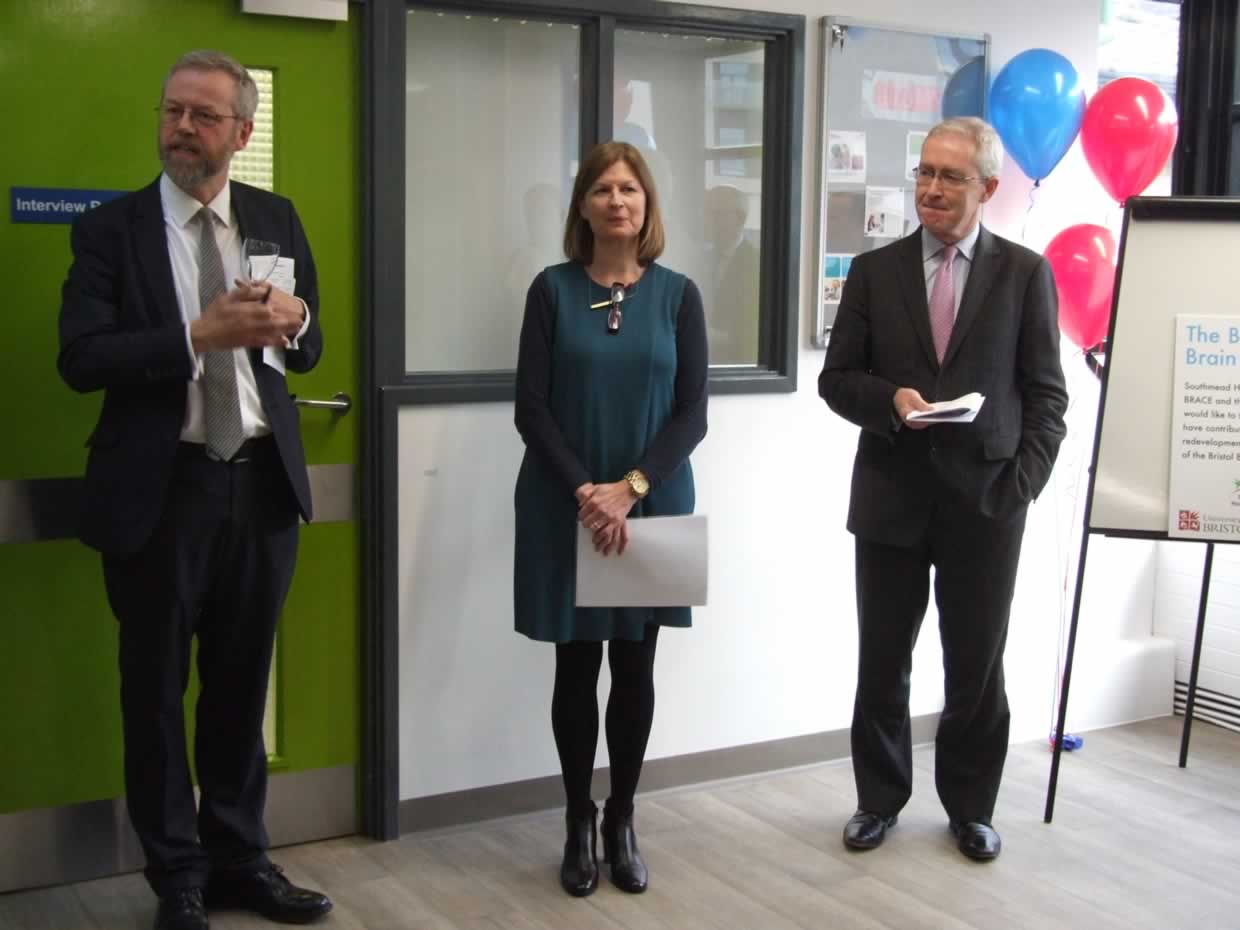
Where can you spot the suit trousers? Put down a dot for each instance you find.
(975, 561)
(218, 566)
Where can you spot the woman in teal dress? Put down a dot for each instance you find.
(611, 400)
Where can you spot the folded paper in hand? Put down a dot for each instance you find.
(664, 565)
(279, 273)
(961, 410)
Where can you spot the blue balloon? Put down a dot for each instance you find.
(965, 92)
(1036, 105)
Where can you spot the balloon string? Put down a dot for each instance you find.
(1032, 200)
(1092, 361)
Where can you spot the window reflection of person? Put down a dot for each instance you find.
(622, 113)
(732, 308)
(544, 243)
(682, 248)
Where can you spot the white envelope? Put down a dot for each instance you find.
(281, 276)
(664, 565)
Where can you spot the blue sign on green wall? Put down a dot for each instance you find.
(54, 204)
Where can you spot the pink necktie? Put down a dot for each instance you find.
(943, 303)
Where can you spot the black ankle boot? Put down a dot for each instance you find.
(628, 871)
(579, 871)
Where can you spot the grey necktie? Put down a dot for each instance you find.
(221, 402)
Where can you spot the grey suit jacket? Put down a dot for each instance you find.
(1005, 345)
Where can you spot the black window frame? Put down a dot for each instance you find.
(1205, 97)
(783, 104)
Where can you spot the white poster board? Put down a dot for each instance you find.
(1204, 492)
(1177, 254)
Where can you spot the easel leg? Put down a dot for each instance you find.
(1067, 678)
(1192, 674)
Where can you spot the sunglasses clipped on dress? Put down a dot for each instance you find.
(615, 316)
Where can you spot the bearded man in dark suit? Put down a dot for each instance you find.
(195, 482)
(949, 310)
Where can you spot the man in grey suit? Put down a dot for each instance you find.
(948, 310)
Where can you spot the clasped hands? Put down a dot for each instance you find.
(603, 509)
(252, 315)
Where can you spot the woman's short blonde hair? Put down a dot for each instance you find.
(579, 238)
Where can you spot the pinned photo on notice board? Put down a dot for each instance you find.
(884, 212)
(835, 267)
(846, 157)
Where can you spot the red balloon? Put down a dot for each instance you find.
(1083, 259)
(1128, 133)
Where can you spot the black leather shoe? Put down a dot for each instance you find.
(268, 893)
(867, 830)
(976, 840)
(181, 909)
(579, 870)
(628, 871)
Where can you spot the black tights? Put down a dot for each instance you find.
(630, 710)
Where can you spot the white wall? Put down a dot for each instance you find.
(1180, 565)
(774, 654)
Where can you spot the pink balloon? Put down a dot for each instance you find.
(1083, 259)
(1128, 133)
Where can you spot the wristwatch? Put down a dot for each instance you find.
(638, 482)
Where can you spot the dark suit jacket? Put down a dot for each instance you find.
(1005, 345)
(121, 331)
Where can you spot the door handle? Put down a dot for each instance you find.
(340, 403)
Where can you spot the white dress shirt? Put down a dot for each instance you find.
(182, 232)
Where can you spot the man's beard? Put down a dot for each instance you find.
(188, 175)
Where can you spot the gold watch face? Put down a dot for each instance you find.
(639, 484)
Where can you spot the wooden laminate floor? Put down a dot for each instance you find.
(1136, 843)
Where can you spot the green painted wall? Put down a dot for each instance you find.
(78, 86)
